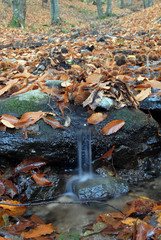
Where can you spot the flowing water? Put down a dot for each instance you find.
(84, 171)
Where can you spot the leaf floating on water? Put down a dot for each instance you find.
(52, 122)
(112, 127)
(96, 118)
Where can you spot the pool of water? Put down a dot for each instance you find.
(73, 217)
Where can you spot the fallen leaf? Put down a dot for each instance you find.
(40, 230)
(143, 94)
(52, 122)
(13, 210)
(96, 118)
(30, 163)
(108, 153)
(112, 127)
(40, 179)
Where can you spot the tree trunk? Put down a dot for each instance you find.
(150, 3)
(145, 3)
(123, 3)
(130, 2)
(109, 9)
(55, 19)
(44, 2)
(19, 13)
(99, 8)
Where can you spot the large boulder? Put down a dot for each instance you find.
(137, 143)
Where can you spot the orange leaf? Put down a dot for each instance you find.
(10, 118)
(40, 179)
(13, 210)
(96, 118)
(108, 154)
(52, 122)
(29, 118)
(112, 127)
(40, 230)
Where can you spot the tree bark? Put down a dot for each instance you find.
(150, 3)
(99, 8)
(145, 3)
(55, 19)
(123, 3)
(19, 13)
(109, 9)
(130, 2)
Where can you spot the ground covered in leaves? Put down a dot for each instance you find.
(119, 60)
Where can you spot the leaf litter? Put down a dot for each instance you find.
(102, 72)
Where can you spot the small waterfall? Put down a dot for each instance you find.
(84, 151)
(84, 158)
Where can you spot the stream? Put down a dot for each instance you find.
(74, 217)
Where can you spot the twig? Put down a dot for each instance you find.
(59, 202)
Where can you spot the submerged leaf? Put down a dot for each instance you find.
(112, 127)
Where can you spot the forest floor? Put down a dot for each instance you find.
(135, 29)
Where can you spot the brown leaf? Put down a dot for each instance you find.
(40, 230)
(29, 118)
(112, 127)
(52, 122)
(30, 163)
(40, 179)
(96, 118)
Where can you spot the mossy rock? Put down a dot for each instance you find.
(30, 101)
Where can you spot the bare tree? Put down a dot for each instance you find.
(44, 2)
(99, 8)
(123, 3)
(108, 9)
(19, 13)
(55, 19)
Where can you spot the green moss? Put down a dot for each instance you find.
(27, 102)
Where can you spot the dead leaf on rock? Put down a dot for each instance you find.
(112, 127)
(96, 118)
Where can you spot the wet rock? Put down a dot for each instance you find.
(151, 103)
(100, 188)
(34, 191)
(136, 141)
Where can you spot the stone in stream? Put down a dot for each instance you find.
(136, 156)
(100, 188)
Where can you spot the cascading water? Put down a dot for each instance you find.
(84, 151)
(84, 158)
